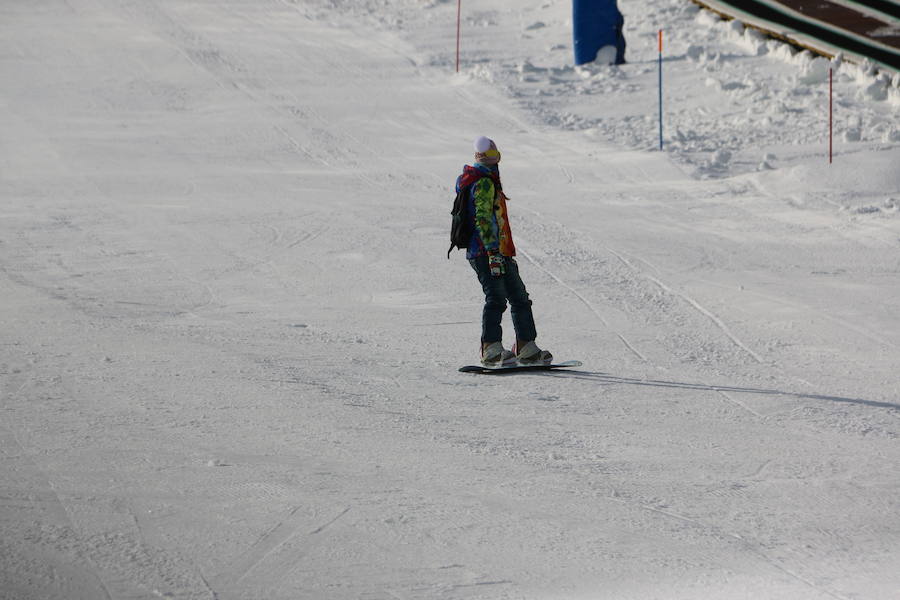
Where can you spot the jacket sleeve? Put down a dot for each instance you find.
(485, 221)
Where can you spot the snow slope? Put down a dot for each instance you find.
(230, 335)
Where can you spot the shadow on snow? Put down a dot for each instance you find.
(613, 379)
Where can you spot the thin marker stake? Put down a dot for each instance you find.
(660, 91)
(458, 14)
(830, 113)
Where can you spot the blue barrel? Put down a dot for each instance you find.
(595, 24)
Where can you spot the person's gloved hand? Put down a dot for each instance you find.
(495, 262)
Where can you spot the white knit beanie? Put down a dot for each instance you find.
(482, 146)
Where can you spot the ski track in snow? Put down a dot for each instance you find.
(742, 542)
(585, 302)
(701, 309)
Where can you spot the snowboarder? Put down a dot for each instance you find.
(491, 253)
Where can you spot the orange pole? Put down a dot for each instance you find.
(660, 93)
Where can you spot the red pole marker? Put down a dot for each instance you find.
(458, 14)
(830, 112)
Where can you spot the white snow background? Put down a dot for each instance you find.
(229, 334)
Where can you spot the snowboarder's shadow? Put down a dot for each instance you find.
(614, 379)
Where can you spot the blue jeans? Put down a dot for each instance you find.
(499, 290)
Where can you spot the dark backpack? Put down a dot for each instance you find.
(461, 225)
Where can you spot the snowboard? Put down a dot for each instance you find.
(517, 368)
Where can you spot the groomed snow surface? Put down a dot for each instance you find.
(229, 335)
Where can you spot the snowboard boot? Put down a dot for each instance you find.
(494, 355)
(530, 354)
